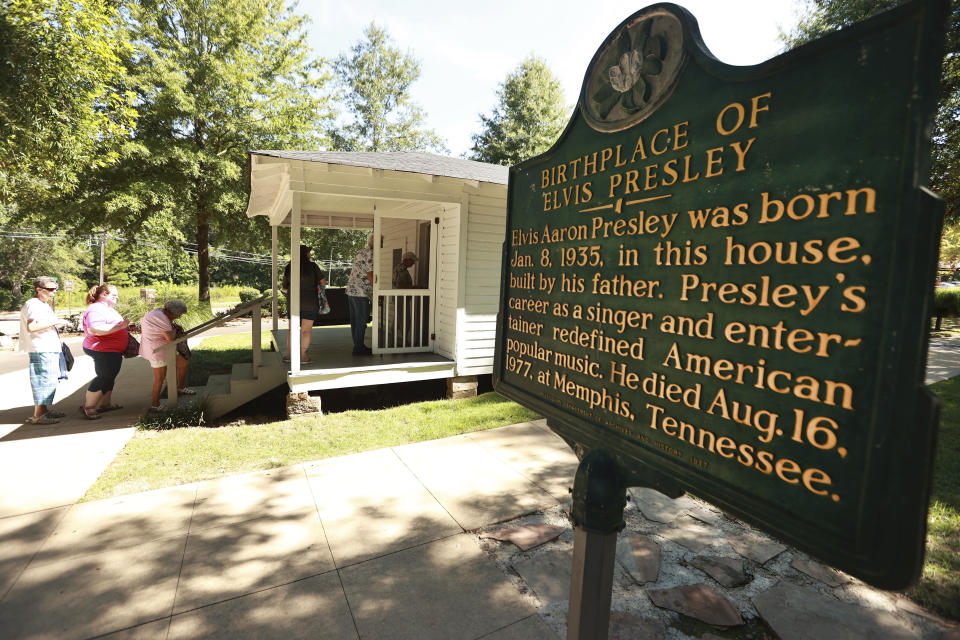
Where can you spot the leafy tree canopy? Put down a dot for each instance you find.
(28, 253)
(823, 16)
(131, 262)
(529, 116)
(374, 81)
(62, 100)
(212, 80)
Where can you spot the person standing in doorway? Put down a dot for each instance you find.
(39, 337)
(401, 274)
(311, 279)
(360, 295)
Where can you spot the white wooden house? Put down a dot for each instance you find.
(450, 212)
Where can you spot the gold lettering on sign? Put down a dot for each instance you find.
(684, 321)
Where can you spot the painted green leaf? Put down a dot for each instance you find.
(603, 93)
(652, 65)
(604, 108)
(640, 92)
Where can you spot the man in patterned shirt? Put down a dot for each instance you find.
(360, 295)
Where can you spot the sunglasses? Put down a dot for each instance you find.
(51, 288)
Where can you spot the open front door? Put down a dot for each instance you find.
(403, 302)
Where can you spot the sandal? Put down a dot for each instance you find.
(112, 407)
(55, 414)
(90, 413)
(186, 391)
(44, 419)
(154, 409)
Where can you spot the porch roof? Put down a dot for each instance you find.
(343, 189)
(412, 161)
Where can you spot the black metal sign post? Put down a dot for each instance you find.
(718, 280)
(599, 497)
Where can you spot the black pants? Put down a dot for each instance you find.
(106, 364)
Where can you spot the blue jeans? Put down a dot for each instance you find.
(359, 312)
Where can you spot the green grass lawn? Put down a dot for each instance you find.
(154, 459)
(949, 328)
(218, 354)
(939, 586)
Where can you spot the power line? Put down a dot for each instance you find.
(188, 247)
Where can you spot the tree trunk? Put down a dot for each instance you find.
(203, 258)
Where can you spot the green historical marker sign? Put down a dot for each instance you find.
(721, 277)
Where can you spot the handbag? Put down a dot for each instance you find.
(324, 305)
(182, 347)
(66, 356)
(133, 347)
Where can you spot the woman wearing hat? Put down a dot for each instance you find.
(401, 277)
(38, 336)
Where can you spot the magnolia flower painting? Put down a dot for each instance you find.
(628, 75)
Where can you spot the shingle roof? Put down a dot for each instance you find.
(416, 162)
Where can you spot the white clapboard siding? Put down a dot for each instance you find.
(485, 232)
(448, 270)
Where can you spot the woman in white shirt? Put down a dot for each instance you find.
(38, 336)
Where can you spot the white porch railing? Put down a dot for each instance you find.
(403, 321)
(170, 349)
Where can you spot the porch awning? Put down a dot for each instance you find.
(343, 189)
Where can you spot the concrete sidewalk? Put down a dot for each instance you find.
(54, 465)
(943, 359)
(372, 545)
(395, 543)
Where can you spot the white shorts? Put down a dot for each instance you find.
(158, 364)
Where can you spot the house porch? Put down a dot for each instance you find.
(334, 366)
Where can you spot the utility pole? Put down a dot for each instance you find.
(103, 251)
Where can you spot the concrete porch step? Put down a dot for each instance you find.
(225, 392)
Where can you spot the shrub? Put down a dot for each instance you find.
(9, 301)
(281, 303)
(946, 301)
(247, 294)
(133, 309)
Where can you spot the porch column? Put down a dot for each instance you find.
(293, 293)
(273, 276)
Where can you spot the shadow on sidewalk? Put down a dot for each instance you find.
(132, 390)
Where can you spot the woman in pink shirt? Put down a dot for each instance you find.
(157, 329)
(106, 340)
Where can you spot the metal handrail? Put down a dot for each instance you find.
(217, 321)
